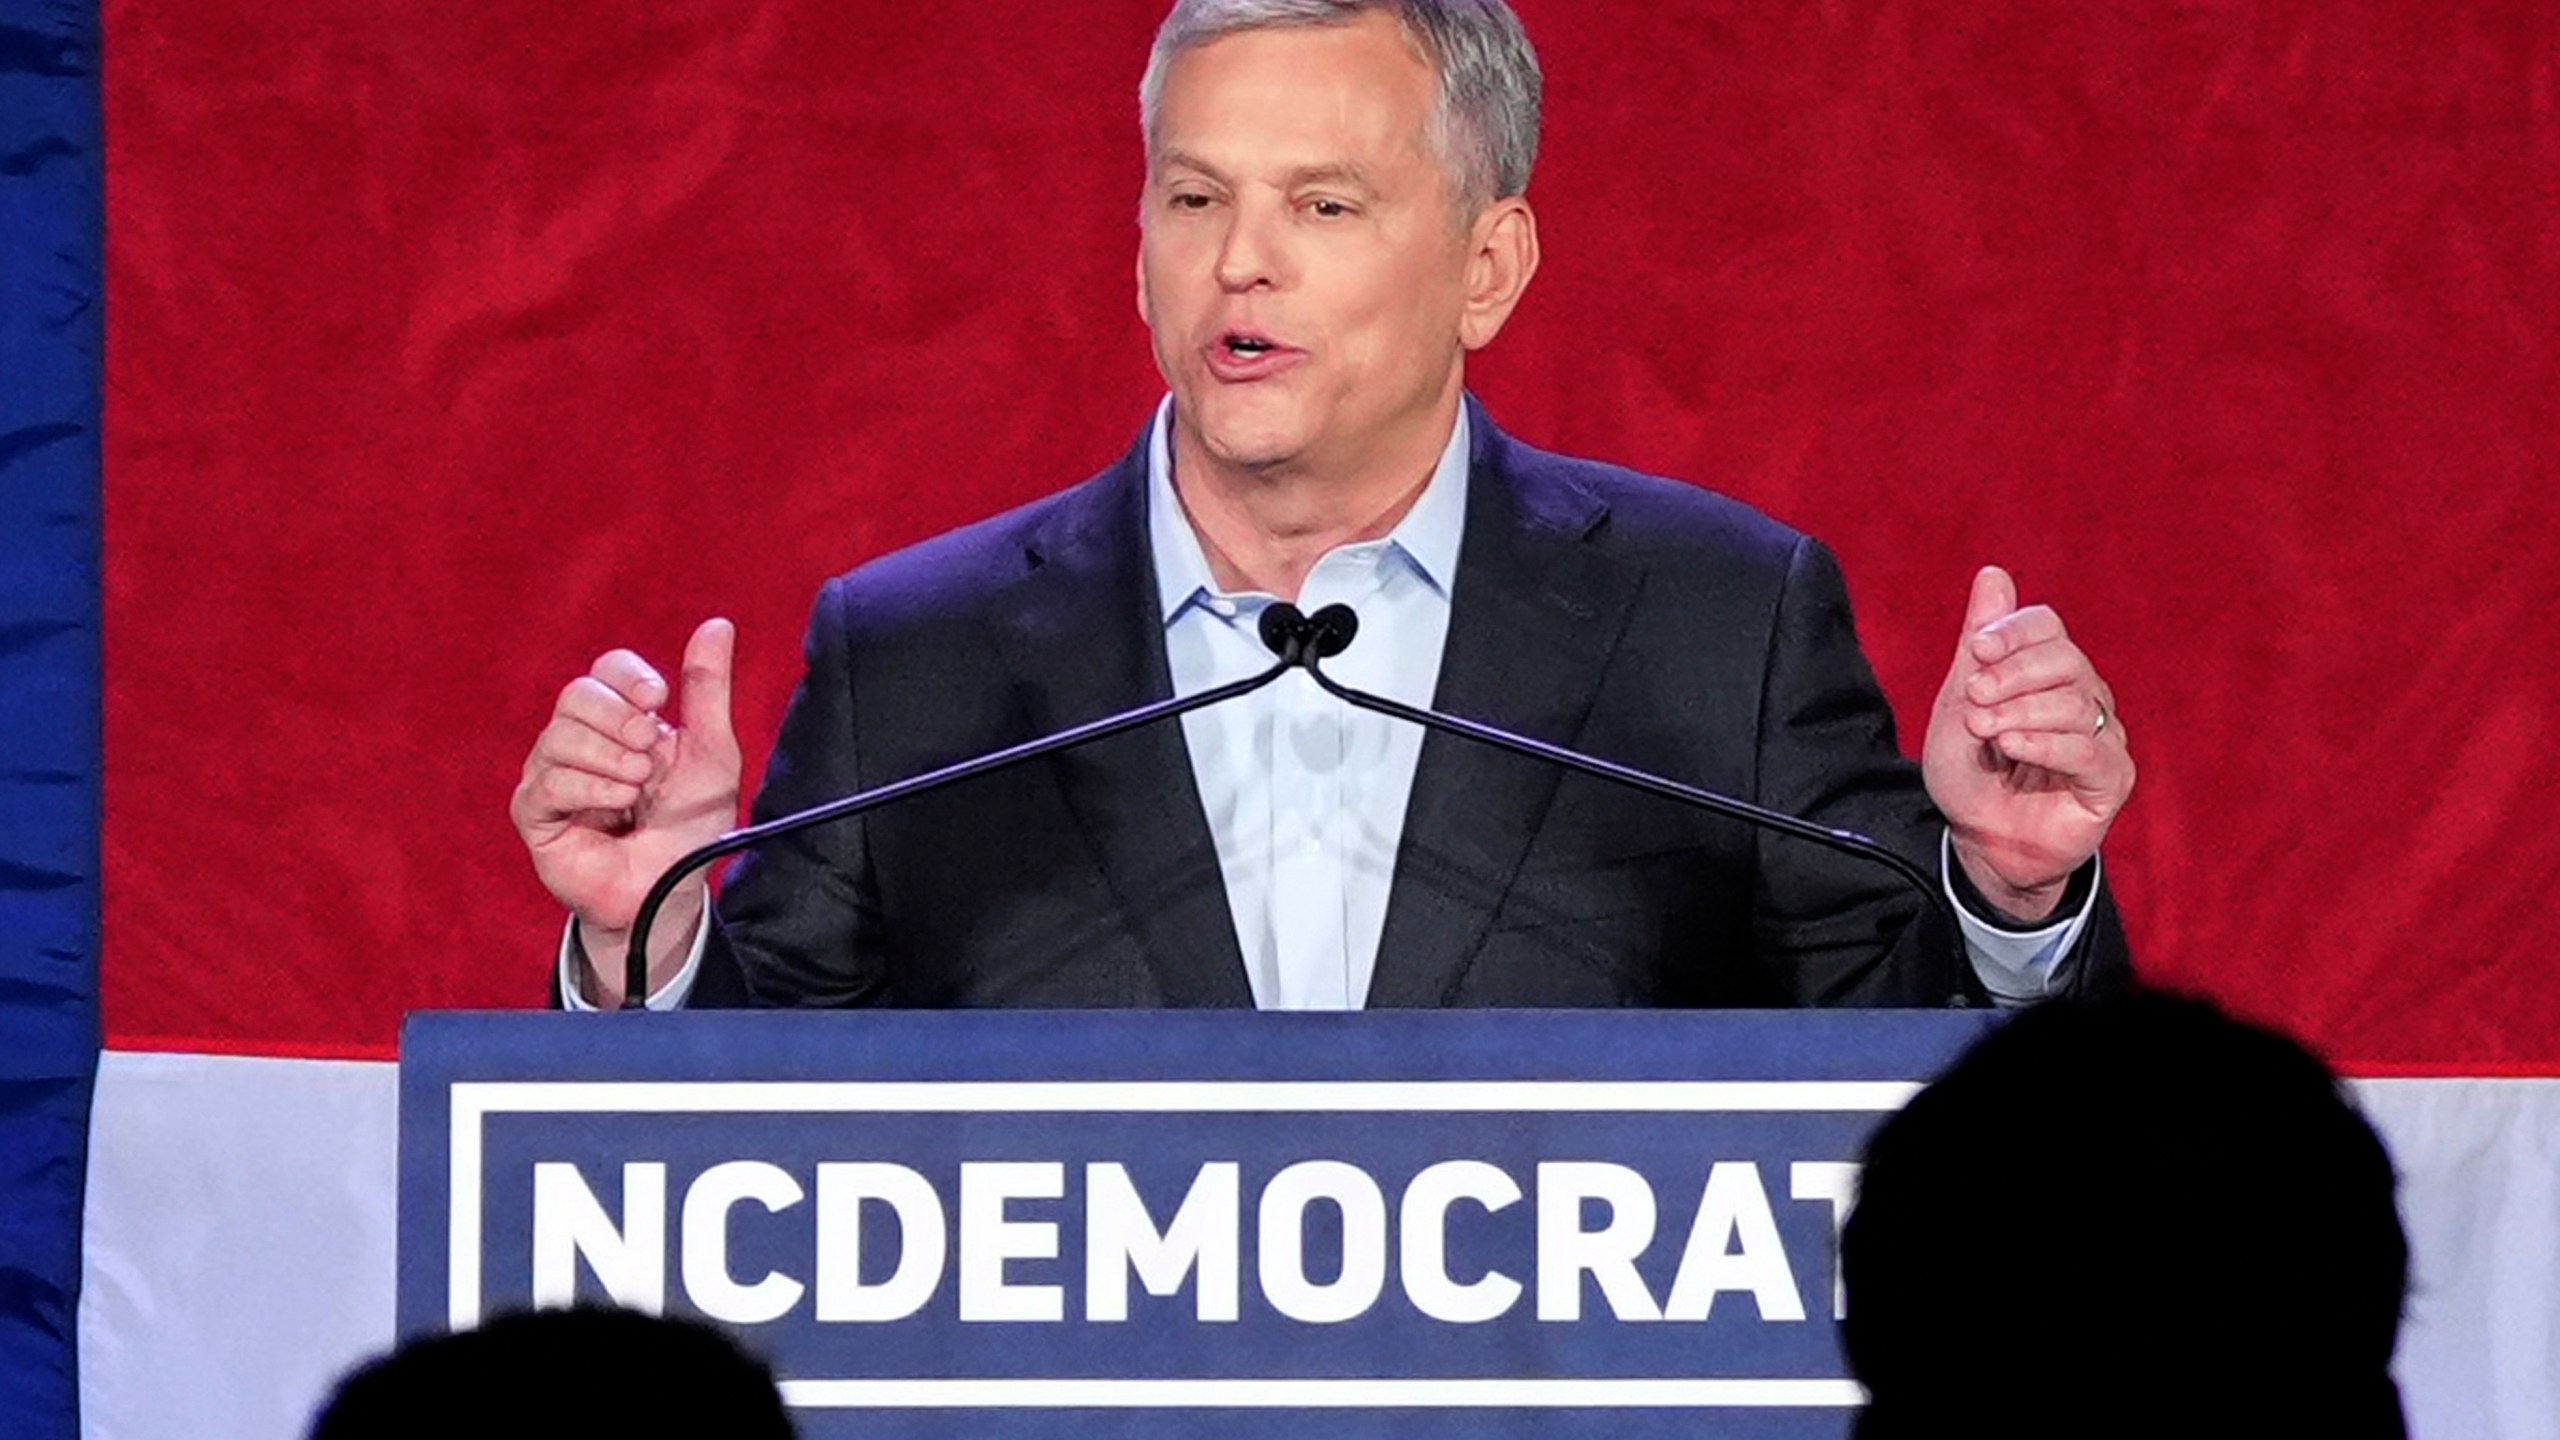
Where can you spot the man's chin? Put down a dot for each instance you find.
(1261, 454)
(1249, 441)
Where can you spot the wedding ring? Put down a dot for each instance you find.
(2101, 727)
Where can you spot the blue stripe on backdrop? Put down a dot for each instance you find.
(50, 343)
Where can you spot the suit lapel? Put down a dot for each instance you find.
(1087, 639)
(1534, 617)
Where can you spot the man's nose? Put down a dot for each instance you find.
(1253, 253)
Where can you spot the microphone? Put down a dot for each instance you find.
(1301, 639)
(635, 972)
(1304, 641)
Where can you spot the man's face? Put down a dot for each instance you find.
(1302, 267)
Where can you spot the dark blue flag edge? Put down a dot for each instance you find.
(51, 340)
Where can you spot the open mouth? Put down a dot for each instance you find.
(1248, 355)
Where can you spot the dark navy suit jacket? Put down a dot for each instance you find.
(1642, 620)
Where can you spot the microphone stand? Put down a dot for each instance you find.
(1300, 641)
(635, 964)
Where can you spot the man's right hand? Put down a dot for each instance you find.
(613, 794)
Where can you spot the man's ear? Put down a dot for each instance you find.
(1502, 255)
(1146, 311)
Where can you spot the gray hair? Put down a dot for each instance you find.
(1486, 122)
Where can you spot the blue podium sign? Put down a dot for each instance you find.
(1179, 1223)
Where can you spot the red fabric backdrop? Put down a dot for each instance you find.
(452, 344)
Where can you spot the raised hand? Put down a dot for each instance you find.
(613, 794)
(2026, 756)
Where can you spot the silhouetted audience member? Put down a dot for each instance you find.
(554, 1374)
(2129, 1217)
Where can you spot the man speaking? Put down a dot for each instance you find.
(1334, 216)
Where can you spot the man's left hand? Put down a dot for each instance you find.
(2026, 755)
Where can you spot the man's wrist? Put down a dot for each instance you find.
(1980, 890)
(600, 955)
(580, 984)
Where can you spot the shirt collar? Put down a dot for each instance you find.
(1427, 537)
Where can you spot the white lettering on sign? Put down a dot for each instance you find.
(1734, 1245)
(1423, 1258)
(990, 1239)
(1201, 1238)
(1835, 1183)
(1593, 1224)
(1567, 1252)
(708, 1282)
(1285, 1282)
(844, 1187)
(569, 1224)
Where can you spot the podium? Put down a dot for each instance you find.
(1001, 1224)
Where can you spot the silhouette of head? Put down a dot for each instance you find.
(2127, 1217)
(545, 1374)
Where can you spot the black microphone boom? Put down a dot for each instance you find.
(635, 971)
(1300, 641)
(1306, 640)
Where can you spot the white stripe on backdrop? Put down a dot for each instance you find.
(239, 1245)
(237, 1251)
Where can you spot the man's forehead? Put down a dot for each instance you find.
(1346, 100)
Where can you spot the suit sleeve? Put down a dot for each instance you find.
(1831, 929)
(798, 922)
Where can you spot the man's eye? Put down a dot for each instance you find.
(1329, 209)
(1188, 200)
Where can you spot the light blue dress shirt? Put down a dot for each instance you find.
(1305, 795)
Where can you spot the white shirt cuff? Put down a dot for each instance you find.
(670, 996)
(2018, 967)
